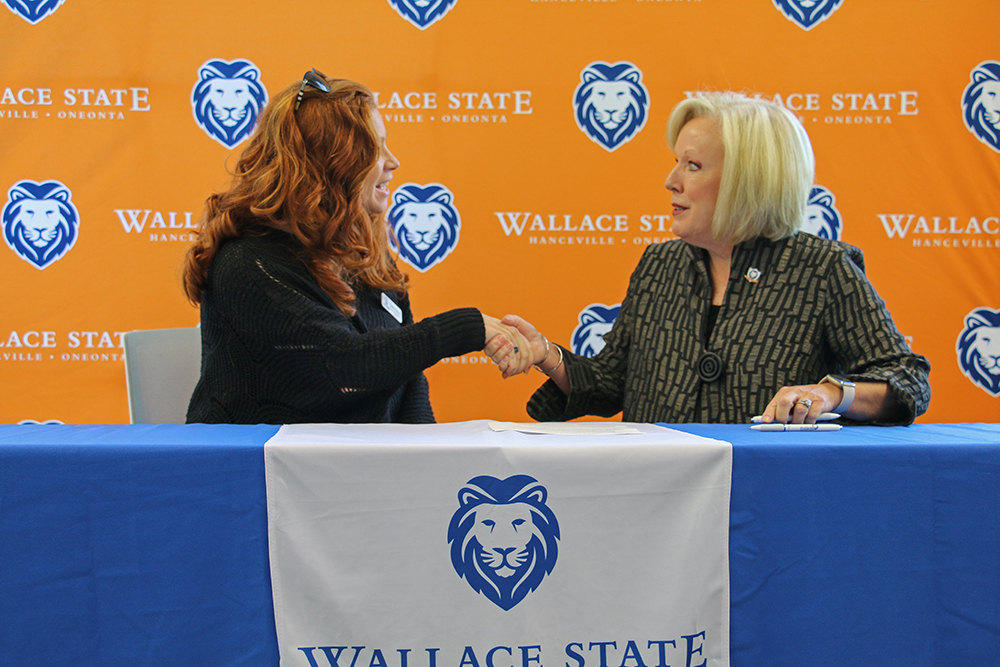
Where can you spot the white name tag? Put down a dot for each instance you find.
(391, 307)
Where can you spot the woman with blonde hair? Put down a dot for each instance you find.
(743, 315)
(305, 316)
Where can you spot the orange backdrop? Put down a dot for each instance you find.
(98, 132)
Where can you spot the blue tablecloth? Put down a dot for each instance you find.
(147, 545)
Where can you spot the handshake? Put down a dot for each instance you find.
(515, 346)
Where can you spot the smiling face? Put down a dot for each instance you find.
(375, 190)
(694, 181)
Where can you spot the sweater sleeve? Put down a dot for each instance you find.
(285, 315)
(415, 404)
(277, 342)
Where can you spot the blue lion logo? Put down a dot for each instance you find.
(503, 537)
(808, 13)
(595, 321)
(227, 100)
(425, 222)
(40, 222)
(33, 11)
(978, 349)
(611, 103)
(423, 13)
(822, 217)
(981, 103)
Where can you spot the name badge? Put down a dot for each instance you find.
(391, 308)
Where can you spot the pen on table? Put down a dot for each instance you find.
(823, 417)
(796, 427)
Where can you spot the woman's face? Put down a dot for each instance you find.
(375, 191)
(694, 181)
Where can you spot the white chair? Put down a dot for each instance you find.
(162, 367)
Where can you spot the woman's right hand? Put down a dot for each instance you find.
(534, 346)
(540, 347)
(546, 356)
(508, 348)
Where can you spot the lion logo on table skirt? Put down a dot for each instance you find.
(808, 13)
(981, 103)
(503, 537)
(611, 103)
(227, 100)
(425, 222)
(40, 222)
(978, 349)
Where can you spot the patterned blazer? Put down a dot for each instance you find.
(794, 310)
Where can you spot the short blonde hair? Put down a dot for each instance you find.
(768, 168)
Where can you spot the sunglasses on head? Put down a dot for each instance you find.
(313, 78)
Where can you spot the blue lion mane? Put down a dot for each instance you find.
(33, 11)
(13, 227)
(820, 196)
(201, 101)
(808, 13)
(969, 358)
(597, 72)
(973, 113)
(446, 238)
(467, 555)
(595, 313)
(423, 13)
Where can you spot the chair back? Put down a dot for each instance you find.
(162, 366)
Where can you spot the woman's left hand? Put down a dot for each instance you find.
(802, 404)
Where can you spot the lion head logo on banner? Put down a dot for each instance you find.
(33, 11)
(978, 349)
(423, 13)
(981, 103)
(595, 321)
(425, 222)
(40, 222)
(503, 537)
(611, 103)
(822, 217)
(227, 99)
(808, 13)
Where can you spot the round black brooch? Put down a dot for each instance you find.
(709, 366)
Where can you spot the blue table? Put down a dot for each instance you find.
(147, 545)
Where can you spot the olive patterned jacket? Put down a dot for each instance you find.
(794, 311)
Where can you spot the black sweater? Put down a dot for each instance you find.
(276, 350)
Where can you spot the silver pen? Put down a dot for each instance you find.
(796, 427)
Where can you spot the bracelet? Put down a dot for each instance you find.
(847, 387)
(542, 361)
(553, 369)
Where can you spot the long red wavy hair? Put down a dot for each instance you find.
(302, 173)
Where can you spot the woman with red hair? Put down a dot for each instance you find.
(305, 316)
